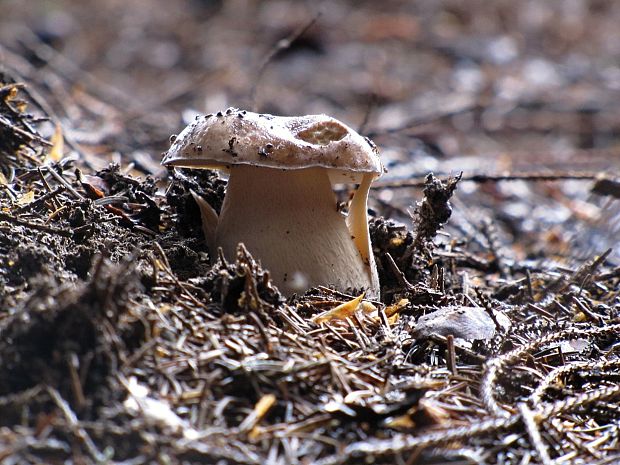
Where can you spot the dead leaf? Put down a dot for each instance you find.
(397, 307)
(340, 312)
(261, 409)
(402, 422)
(264, 405)
(26, 198)
(58, 144)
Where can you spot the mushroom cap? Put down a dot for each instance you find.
(242, 137)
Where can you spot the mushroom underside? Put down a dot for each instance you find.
(289, 221)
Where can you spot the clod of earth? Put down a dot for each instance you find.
(280, 201)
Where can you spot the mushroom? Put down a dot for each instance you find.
(469, 323)
(280, 201)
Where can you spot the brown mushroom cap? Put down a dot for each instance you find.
(243, 137)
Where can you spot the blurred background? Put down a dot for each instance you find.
(446, 86)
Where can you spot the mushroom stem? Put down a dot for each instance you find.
(289, 221)
(209, 222)
(357, 222)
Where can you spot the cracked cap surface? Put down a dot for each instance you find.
(242, 137)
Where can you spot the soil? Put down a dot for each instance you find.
(124, 339)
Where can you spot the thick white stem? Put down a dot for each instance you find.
(289, 221)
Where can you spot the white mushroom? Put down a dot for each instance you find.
(280, 201)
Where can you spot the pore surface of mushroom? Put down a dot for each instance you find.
(280, 201)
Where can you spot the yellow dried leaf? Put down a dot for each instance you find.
(156, 331)
(368, 307)
(264, 405)
(26, 198)
(161, 352)
(192, 395)
(3, 180)
(12, 93)
(340, 312)
(396, 242)
(400, 422)
(58, 144)
(255, 433)
(580, 317)
(260, 410)
(397, 307)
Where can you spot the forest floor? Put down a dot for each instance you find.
(122, 339)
